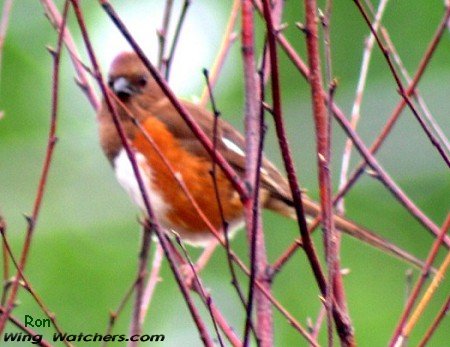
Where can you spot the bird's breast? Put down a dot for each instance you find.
(165, 166)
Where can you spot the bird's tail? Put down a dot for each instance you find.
(312, 209)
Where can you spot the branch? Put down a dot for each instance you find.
(252, 209)
(399, 330)
(27, 285)
(5, 255)
(368, 49)
(362, 149)
(321, 121)
(401, 88)
(82, 80)
(206, 298)
(153, 279)
(416, 95)
(168, 61)
(38, 338)
(162, 33)
(32, 220)
(137, 318)
(227, 40)
(439, 318)
(234, 279)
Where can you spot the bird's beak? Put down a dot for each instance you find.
(122, 87)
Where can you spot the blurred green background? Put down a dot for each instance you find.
(84, 252)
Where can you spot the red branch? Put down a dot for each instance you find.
(440, 316)
(168, 62)
(162, 33)
(28, 331)
(424, 275)
(401, 88)
(252, 210)
(82, 78)
(323, 155)
(136, 321)
(362, 149)
(32, 220)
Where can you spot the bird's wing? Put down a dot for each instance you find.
(230, 143)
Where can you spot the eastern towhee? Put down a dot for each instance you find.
(138, 93)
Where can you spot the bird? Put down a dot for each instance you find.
(167, 152)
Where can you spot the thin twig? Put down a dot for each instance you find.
(27, 285)
(206, 298)
(291, 320)
(290, 169)
(252, 210)
(153, 279)
(439, 318)
(198, 287)
(5, 256)
(162, 33)
(113, 315)
(227, 40)
(137, 319)
(344, 327)
(409, 276)
(216, 113)
(36, 338)
(82, 79)
(401, 88)
(415, 316)
(333, 237)
(32, 220)
(320, 318)
(415, 292)
(356, 109)
(366, 154)
(394, 117)
(168, 61)
(416, 94)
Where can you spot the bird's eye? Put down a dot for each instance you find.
(142, 81)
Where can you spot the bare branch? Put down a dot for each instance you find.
(162, 33)
(252, 209)
(227, 40)
(368, 49)
(439, 318)
(51, 142)
(82, 76)
(168, 61)
(402, 89)
(402, 330)
(137, 321)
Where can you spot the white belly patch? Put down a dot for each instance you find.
(126, 177)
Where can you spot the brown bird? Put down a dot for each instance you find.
(162, 132)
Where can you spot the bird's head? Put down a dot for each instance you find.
(128, 77)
